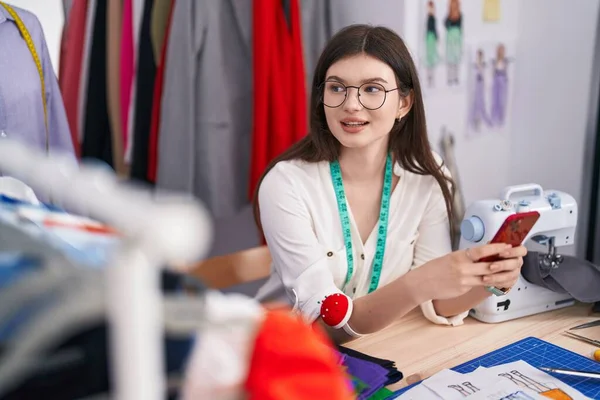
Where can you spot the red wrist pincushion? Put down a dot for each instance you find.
(336, 310)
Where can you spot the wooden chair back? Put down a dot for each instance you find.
(233, 269)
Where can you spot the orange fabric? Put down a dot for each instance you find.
(294, 361)
(280, 117)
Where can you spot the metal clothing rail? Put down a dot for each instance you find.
(154, 234)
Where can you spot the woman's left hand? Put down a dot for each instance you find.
(505, 272)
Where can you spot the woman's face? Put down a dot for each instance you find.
(361, 123)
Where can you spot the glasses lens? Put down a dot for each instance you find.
(371, 95)
(334, 94)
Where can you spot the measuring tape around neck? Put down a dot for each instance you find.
(25, 33)
(338, 184)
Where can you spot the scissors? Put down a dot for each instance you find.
(587, 325)
(583, 338)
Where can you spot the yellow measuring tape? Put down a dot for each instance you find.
(36, 59)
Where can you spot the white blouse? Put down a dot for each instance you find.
(302, 227)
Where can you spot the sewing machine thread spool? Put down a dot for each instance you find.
(504, 205)
(523, 206)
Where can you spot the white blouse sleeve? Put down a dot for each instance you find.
(298, 258)
(433, 242)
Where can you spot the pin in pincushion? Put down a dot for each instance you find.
(336, 310)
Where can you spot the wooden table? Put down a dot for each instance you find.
(421, 348)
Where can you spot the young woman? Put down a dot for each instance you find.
(358, 211)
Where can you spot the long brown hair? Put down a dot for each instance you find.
(408, 140)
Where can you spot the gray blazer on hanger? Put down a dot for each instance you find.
(206, 116)
(206, 112)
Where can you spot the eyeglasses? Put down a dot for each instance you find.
(370, 95)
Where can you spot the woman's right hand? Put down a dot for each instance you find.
(456, 273)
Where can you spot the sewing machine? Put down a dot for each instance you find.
(555, 228)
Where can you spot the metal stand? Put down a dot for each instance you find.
(154, 234)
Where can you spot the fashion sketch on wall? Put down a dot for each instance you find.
(490, 88)
(454, 41)
(442, 55)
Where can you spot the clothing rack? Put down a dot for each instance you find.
(155, 234)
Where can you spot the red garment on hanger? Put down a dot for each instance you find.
(156, 102)
(294, 361)
(280, 117)
(71, 59)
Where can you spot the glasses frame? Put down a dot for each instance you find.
(385, 92)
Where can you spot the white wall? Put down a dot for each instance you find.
(484, 163)
(551, 111)
(51, 16)
(555, 42)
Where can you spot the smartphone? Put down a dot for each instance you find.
(513, 231)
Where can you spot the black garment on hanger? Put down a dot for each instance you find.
(144, 97)
(431, 26)
(453, 23)
(97, 137)
(88, 373)
(286, 10)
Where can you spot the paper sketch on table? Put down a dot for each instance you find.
(448, 384)
(506, 390)
(419, 392)
(517, 381)
(442, 54)
(501, 390)
(526, 376)
(490, 88)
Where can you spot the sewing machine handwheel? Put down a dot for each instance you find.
(528, 187)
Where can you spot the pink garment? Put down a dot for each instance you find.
(71, 58)
(127, 67)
